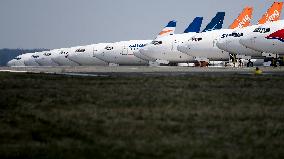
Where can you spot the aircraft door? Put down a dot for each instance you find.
(214, 42)
(174, 45)
(125, 50)
(94, 51)
(252, 40)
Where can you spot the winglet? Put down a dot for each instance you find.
(216, 23)
(169, 29)
(194, 26)
(243, 19)
(272, 14)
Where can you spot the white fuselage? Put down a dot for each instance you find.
(231, 42)
(142, 56)
(23, 60)
(61, 57)
(165, 48)
(17, 61)
(85, 55)
(203, 45)
(268, 38)
(122, 52)
(29, 60)
(44, 58)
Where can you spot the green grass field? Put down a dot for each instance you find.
(52, 116)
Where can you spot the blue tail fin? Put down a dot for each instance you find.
(194, 26)
(216, 23)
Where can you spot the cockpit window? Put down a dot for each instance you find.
(196, 39)
(109, 48)
(35, 56)
(47, 54)
(262, 30)
(80, 50)
(17, 58)
(156, 42)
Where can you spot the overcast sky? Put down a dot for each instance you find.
(65, 23)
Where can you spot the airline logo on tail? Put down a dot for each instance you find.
(165, 32)
(169, 29)
(243, 19)
(278, 35)
(272, 14)
(194, 26)
(216, 23)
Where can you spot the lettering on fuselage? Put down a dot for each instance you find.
(262, 30)
(136, 46)
(232, 35)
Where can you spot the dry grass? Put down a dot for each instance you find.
(49, 116)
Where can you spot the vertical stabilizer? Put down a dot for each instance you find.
(272, 14)
(194, 26)
(243, 19)
(169, 29)
(216, 23)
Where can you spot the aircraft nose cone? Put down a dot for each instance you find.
(183, 48)
(247, 42)
(73, 57)
(143, 51)
(10, 63)
(222, 44)
(100, 55)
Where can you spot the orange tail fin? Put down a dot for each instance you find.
(243, 19)
(272, 14)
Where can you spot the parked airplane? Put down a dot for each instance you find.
(60, 56)
(29, 60)
(231, 42)
(122, 53)
(268, 38)
(44, 58)
(17, 61)
(85, 55)
(168, 30)
(203, 45)
(164, 49)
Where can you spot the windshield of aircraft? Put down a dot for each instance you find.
(80, 50)
(156, 42)
(262, 30)
(17, 58)
(196, 39)
(109, 48)
(47, 54)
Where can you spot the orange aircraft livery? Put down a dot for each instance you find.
(273, 14)
(243, 19)
(165, 31)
